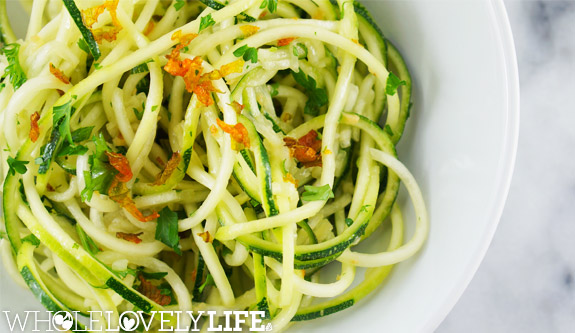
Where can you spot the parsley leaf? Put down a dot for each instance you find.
(166, 289)
(179, 4)
(79, 135)
(32, 239)
(101, 173)
(83, 45)
(209, 281)
(272, 5)
(139, 114)
(317, 96)
(274, 89)
(317, 193)
(248, 53)
(348, 222)
(240, 51)
(87, 242)
(14, 70)
(16, 166)
(82, 134)
(71, 150)
(363, 209)
(167, 229)
(393, 82)
(206, 22)
(122, 274)
(61, 120)
(251, 55)
(48, 152)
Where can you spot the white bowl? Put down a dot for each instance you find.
(460, 143)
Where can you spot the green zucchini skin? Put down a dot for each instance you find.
(310, 256)
(86, 33)
(32, 278)
(262, 166)
(398, 67)
(318, 255)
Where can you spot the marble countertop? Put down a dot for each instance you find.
(526, 281)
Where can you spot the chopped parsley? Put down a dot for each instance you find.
(83, 45)
(209, 282)
(317, 193)
(348, 222)
(79, 135)
(140, 114)
(393, 82)
(363, 209)
(14, 69)
(179, 4)
(87, 243)
(48, 151)
(206, 22)
(272, 5)
(167, 229)
(317, 97)
(16, 166)
(123, 273)
(61, 120)
(60, 137)
(101, 174)
(248, 53)
(274, 89)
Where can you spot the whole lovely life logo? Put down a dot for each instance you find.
(134, 321)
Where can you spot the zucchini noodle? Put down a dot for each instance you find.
(202, 156)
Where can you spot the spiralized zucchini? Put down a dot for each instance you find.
(198, 155)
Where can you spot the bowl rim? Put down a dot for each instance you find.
(504, 35)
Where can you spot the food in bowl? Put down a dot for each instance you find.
(200, 156)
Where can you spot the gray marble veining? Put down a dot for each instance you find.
(526, 282)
